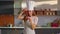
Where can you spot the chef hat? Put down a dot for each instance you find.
(30, 5)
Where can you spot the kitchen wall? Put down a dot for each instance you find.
(42, 20)
(58, 4)
(45, 4)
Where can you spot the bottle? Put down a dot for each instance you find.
(10, 25)
(50, 13)
(53, 13)
(47, 13)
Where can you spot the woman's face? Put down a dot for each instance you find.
(30, 13)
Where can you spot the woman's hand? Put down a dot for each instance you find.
(32, 24)
(20, 16)
(22, 13)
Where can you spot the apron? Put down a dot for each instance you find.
(27, 29)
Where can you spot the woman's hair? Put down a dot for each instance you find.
(26, 13)
(34, 13)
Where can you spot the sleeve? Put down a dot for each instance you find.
(36, 20)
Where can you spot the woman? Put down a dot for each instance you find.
(30, 21)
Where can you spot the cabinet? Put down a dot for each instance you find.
(6, 13)
(6, 19)
(38, 31)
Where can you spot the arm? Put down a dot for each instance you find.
(20, 16)
(33, 25)
(22, 13)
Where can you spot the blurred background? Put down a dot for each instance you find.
(48, 12)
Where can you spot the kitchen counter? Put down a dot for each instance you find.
(39, 30)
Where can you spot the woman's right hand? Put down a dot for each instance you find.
(20, 16)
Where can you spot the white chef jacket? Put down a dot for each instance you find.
(27, 29)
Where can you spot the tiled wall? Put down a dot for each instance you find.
(42, 20)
